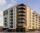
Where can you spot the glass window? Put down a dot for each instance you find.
(5, 19)
(21, 21)
(5, 24)
(33, 24)
(21, 12)
(11, 22)
(11, 19)
(39, 18)
(11, 10)
(36, 20)
(21, 15)
(35, 15)
(11, 16)
(11, 13)
(33, 18)
(6, 12)
(11, 25)
(33, 27)
(21, 18)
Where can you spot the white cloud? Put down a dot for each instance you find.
(2, 2)
(13, 2)
(1, 13)
(1, 18)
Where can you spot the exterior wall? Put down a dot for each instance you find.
(31, 19)
(5, 16)
(28, 18)
(8, 18)
(14, 18)
(35, 20)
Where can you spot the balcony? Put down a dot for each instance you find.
(21, 10)
(21, 13)
(21, 21)
(21, 17)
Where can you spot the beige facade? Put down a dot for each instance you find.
(28, 17)
(33, 19)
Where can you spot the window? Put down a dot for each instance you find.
(11, 16)
(11, 13)
(21, 15)
(39, 18)
(11, 19)
(33, 27)
(21, 12)
(36, 20)
(11, 10)
(11, 22)
(35, 15)
(20, 21)
(5, 19)
(5, 24)
(33, 18)
(36, 24)
(11, 25)
(21, 18)
(6, 12)
(33, 24)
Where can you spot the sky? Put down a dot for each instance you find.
(5, 4)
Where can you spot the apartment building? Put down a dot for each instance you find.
(21, 18)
